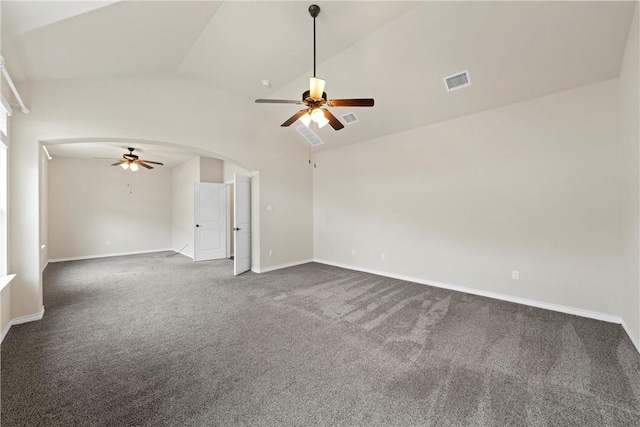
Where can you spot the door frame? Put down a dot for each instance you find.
(229, 216)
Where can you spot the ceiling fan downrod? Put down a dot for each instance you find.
(314, 11)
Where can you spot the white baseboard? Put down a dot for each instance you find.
(28, 317)
(78, 258)
(181, 253)
(281, 266)
(5, 331)
(494, 295)
(628, 331)
(20, 320)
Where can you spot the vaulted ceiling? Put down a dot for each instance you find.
(395, 52)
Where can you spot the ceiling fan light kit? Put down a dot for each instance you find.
(315, 99)
(316, 86)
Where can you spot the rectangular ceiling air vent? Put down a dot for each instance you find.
(457, 81)
(350, 118)
(309, 135)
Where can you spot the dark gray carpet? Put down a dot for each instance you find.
(152, 341)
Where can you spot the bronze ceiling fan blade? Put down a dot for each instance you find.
(295, 117)
(119, 162)
(149, 161)
(362, 102)
(333, 121)
(144, 165)
(277, 101)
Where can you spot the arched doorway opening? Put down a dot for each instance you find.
(122, 224)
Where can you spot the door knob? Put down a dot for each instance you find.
(197, 225)
(236, 229)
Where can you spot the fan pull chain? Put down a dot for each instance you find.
(130, 183)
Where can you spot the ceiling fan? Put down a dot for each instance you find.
(131, 161)
(315, 99)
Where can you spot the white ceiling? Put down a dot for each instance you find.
(110, 152)
(395, 52)
(118, 39)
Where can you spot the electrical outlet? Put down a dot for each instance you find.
(269, 208)
(108, 242)
(382, 257)
(353, 251)
(270, 252)
(515, 275)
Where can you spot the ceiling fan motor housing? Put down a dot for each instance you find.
(307, 99)
(130, 156)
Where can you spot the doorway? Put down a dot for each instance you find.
(222, 219)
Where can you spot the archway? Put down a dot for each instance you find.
(132, 142)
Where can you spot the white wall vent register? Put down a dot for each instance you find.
(457, 81)
(350, 118)
(309, 135)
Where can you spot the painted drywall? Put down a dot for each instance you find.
(211, 170)
(5, 294)
(5, 309)
(183, 177)
(165, 109)
(228, 169)
(532, 187)
(630, 136)
(98, 210)
(44, 209)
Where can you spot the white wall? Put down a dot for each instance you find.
(630, 135)
(228, 169)
(211, 170)
(533, 187)
(44, 210)
(5, 294)
(183, 177)
(99, 210)
(168, 109)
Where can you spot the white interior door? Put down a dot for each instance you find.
(210, 215)
(242, 221)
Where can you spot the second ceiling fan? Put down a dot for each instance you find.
(131, 161)
(315, 99)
